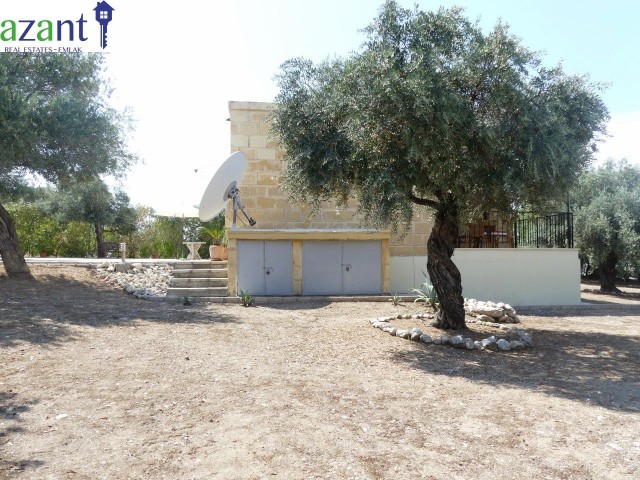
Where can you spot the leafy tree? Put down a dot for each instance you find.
(433, 112)
(77, 240)
(92, 202)
(37, 231)
(54, 123)
(607, 220)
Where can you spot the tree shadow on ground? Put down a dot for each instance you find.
(11, 407)
(616, 311)
(44, 309)
(594, 368)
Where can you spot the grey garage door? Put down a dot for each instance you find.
(265, 267)
(334, 268)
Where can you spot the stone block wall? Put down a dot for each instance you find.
(268, 203)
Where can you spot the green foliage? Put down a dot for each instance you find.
(55, 120)
(433, 112)
(77, 240)
(427, 293)
(56, 124)
(218, 235)
(395, 300)
(607, 216)
(246, 299)
(164, 239)
(91, 202)
(39, 232)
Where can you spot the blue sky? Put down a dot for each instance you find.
(178, 67)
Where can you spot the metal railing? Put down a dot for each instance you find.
(531, 230)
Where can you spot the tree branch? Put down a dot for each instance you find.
(423, 201)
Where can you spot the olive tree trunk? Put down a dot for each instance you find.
(12, 257)
(444, 274)
(607, 270)
(102, 252)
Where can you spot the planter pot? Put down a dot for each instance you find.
(44, 254)
(217, 252)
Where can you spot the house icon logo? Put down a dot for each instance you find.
(104, 13)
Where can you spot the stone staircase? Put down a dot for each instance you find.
(198, 279)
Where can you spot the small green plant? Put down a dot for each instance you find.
(186, 301)
(395, 299)
(218, 235)
(427, 293)
(246, 299)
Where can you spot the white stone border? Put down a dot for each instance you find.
(524, 340)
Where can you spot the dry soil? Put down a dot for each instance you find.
(96, 384)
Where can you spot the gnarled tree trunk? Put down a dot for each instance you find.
(102, 253)
(444, 274)
(607, 270)
(12, 257)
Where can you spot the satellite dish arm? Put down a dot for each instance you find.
(237, 205)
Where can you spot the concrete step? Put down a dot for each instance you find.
(199, 264)
(200, 273)
(198, 282)
(197, 292)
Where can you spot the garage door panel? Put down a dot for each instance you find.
(278, 266)
(321, 268)
(251, 267)
(362, 273)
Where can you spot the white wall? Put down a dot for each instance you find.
(519, 276)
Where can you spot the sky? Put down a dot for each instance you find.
(177, 65)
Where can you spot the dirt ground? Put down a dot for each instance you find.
(95, 384)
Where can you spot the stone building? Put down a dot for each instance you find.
(295, 239)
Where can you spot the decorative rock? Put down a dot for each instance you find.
(526, 339)
(491, 312)
(485, 318)
(505, 319)
(403, 333)
(415, 334)
(489, 341)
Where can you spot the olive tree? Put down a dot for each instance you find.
(433, 112)
(94, 203)
(607, 220)
(55, 123)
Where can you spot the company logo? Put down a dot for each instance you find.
(104, 13)
(60, 35)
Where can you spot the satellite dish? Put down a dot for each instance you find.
(222, 188)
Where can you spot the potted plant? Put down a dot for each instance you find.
(218, 249)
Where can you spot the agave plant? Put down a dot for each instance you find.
(427, 294)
